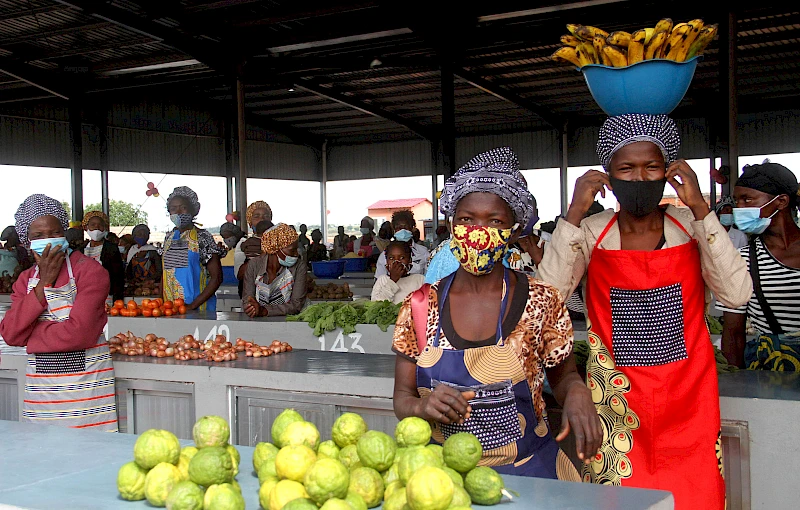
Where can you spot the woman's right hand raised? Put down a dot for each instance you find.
(50, 263)
(446, 405)
(587, 187)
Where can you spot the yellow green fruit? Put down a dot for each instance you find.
(130, 482)
(412, 431)
(457, 478)
(223, 497)
(376, 450)
(327, 479)
(429, 488)
(189, 451)
(367, 483)
(462, 451)
(460, 497)
(301, 433)
(183, 467)
(355, 500)
(185, 496)
(284, 492)
(391, 488)
(262, 452)
(328, 449)
(293, 462)
(300, 504)
(211, 466)
(155, 446)
(159, 482)
(391, 475)
(414, 459)
(348, 429)
(265, 491)
(267, 470)
(484, 486)
(349, 456)
(211, 431)
(336, 504)
(283, 420)
(438, 451)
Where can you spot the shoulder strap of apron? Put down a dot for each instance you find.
(605, 230)
(419, 314)
(762, 300)
(678, 224)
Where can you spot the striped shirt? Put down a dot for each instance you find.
(781, 287)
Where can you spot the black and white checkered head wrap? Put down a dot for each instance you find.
(188, 194)
(33, 208)
(622, 130)
(495, 171)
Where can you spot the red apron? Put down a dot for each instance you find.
(652, 373)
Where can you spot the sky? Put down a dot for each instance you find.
(292, 202)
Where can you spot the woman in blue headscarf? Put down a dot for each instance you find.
(192, 267)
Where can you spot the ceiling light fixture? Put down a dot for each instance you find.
(153, 67)
(375, 63)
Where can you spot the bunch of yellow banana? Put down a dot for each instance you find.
(591, 45)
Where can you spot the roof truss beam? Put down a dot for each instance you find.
(332, 95)
(296, 135)
(36, 77)
(202, 51)
(506, 95)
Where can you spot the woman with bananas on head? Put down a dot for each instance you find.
(645, 271)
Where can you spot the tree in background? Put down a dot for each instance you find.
(121, 214)
(68, 209)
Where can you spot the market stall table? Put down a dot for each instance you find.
(77, 469)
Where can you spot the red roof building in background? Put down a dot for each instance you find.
(382, 210)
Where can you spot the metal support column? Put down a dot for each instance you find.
(242, 131)
(230, 164)
(103, 128)
(76, 165)
(323, 192)
(448, 133)
(729, 91)
(564, 160)
(434, 199)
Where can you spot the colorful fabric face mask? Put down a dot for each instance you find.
(478, 248)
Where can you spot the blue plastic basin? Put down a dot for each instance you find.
(355, 264)
(328, 268)
(654, 87)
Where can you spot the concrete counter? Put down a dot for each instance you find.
(77, 469)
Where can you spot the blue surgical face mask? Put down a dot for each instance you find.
(726, 220)
(38, 245)
(749, 219)
(181, 220)
(141, 241)
(365, 231)
(403, 235)
(288, 260)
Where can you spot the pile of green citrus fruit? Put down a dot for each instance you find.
(360, 468)
(193, 478)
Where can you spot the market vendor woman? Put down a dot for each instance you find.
(58, 313)
(192, 268)
(472, 353)
(651, 364)
(275, 283)
(96, 225)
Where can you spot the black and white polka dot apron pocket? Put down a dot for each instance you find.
(494, 419)
(647, 326)
(61, 362)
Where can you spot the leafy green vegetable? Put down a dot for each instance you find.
(324, 317)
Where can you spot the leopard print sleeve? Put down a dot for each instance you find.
(404, 340)
(557, 332)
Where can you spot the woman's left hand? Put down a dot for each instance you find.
(580, 415)
(688, 188)
(192, 306)
(252, 308)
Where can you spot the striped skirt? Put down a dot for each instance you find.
(71, 389)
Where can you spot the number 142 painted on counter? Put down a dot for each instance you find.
(339, 343)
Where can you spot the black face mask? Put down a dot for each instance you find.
(639, 198)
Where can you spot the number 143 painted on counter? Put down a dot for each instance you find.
(339, 343)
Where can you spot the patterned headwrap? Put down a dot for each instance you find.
(188, 194)
(34, 207)
(258, 204)
(617, 132)
(279, 236)
(94, 214)
(724, 201)
(495, 171)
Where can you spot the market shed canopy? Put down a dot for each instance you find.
(365, 70)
